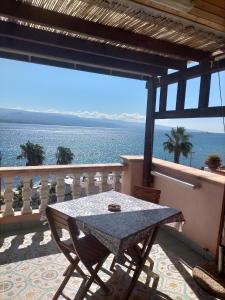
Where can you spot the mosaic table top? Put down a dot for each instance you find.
(117, 230)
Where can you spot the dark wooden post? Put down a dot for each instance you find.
(149, 132)
(204, 91)
(181, 91)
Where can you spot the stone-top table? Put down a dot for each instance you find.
(117, 230)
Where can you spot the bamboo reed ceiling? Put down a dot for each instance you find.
(131, 17)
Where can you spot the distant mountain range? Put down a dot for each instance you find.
(44, 118)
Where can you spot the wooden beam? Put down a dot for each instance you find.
(61, 64)
(76, 57)
(208, 112)
(192, 72)
(181, 91)
(26, 33)
(21, 11)
(204, 91)
(149, 133)
(163, 98)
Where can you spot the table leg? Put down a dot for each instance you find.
(139, 267)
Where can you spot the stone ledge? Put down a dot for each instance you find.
(162, 165)
(58, 169)
(20, 221)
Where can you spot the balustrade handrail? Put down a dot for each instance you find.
(55, 169)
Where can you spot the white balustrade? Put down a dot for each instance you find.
(8, 197)
(84, 184)
(98, 181)
(93, 188)
(44, 194)
(106, 183)
(86, 180)
(26, 193)
(116, 181)
(76, 186)
(60, 188)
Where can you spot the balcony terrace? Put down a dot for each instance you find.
(32, 265)
(132, 39)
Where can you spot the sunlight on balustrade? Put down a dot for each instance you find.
(41, 187)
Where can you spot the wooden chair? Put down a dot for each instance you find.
(86, 249)
(146, 193)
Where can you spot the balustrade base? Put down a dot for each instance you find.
(20, 221)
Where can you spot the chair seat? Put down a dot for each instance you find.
(92, 250)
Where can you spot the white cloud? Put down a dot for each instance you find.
(135, 117)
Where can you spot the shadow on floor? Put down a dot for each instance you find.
(119, 282)
(27, 246)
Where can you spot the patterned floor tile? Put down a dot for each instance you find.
(32, 268)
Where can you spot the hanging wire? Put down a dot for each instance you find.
(221, 100)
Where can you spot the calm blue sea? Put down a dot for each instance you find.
(98, 145)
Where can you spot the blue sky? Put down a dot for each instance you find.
(41, 88)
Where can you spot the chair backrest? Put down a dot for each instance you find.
(58, 221)
(146, 193)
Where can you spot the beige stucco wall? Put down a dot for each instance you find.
(201, 203)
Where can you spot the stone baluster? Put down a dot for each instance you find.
(110, 180)
(93, 187)
(98, 181)
(84, 184)
(60, 188)
(44, 194)
(76, 186)
(26, 193)
(105, 183)
(116, 181)
(8, 197)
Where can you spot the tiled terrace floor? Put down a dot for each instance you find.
(32, 267)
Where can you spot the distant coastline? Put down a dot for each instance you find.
(45, 118)
(20, 116)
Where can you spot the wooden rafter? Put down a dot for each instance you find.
(206, 112)
(23, 12)
(77, 57)
(26, 33)
(192, 72)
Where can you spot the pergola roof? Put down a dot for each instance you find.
(118, 37)
(131, 18)
(114, 37)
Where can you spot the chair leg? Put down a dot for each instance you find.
(93, 277)
(69, 272)
(81, 272)
(112, 267)
(101, 284)
(139, 268)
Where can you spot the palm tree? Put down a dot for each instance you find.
(64, 156)
(178, 143)
(33, 153)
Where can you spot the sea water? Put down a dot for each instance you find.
(98, 144)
